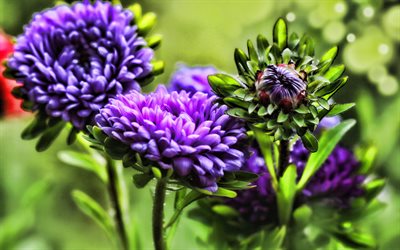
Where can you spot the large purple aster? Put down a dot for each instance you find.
(183, 131)
(192, 79)
(335, 183)
(72, 59)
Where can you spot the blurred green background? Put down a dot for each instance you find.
(36, 210)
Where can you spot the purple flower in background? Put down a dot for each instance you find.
(335, 183)
(192, 79)
(327, 123)
(72, 59)
(183, 131)
(281, 85)
(256, 205)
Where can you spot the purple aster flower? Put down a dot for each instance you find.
(256, 205)
(281, 85)
(181, 131)
(72, 59)
(335, 183)
(192, 79)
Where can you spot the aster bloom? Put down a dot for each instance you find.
(9, 106)
(336, 183)
(192, 79)
(282, 87)
(72, 59)
(184, 132)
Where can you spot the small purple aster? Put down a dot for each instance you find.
(281, 85)
(336, 183)
(192, 79)
(181, 131)
(72, 59)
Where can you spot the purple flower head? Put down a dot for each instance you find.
(181, 131)
(192, 79)
(256, 205)
(335, 183)
(72, 59)
(281, 85)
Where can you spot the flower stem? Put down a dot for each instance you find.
(117, 205)
(158, 215)
(284, 154)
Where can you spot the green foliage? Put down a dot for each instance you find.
(328, 141)
(286, 193)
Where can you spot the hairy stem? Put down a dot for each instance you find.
(284, 154)
(115, 198)
(158, 215)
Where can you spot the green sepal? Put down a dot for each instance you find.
(334, 72)
(146, 23)
(373, 188)
(282, 117)
(136, 9)
(154, 41)
(156, 172)
(73, 133)
(49, 136)
(280, 34)
(115, 149)
(252, 51)
(35, 128)
(158, 68)
(340, 108)
(241, 61)
(141, 180)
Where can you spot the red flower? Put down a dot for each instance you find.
(9, 105)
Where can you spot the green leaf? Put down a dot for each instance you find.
(252, 107)
(356, 240)
(299, 120)
(146, 23)
(280, 34)
(225, 211)
(373, 188)
(262, 45)
(49, 136)
(223, 85)
(245, 176)
(252, 51)
(309, 141)
(327, 143)
(223, 192)
(189, 199)
(329, 56)
(340, 108)
(293, 40)
(324, 103)
(286, 193)
(93, 209)
(237, 112)
(282, 117)
(274, 239)
(367, 157)
(84, 161)
(302, 109)
(115, 149)
(334, 72)
(72, 136)
(241, 61)
(234, 102)
(286, 55)
(265, 143)
(271, 108)
(332, 88)
(262, 111)
(141, 180)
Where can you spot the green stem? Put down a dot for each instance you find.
(158, 215)
(284, 154)
(114, 181)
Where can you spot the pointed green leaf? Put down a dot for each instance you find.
(35, 128)
(327, 143)
(280, 34)
(299, 120)
(286, 193)
(334, 72)
(330, 56)
(286, 55)
(241, 61)
(252, 51)
(84, 161)
(324, 103)
(154, 41)
(293, 40)
(332, 88)
(309, 141)
(225, 211)
(302, 109)
(265, 143)
(136, 9)
(158, 67)
(340, 108)
(252, 107)
(373, 188)
(141, 180)
(234, 102)
(93, 209)
(156, 172)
